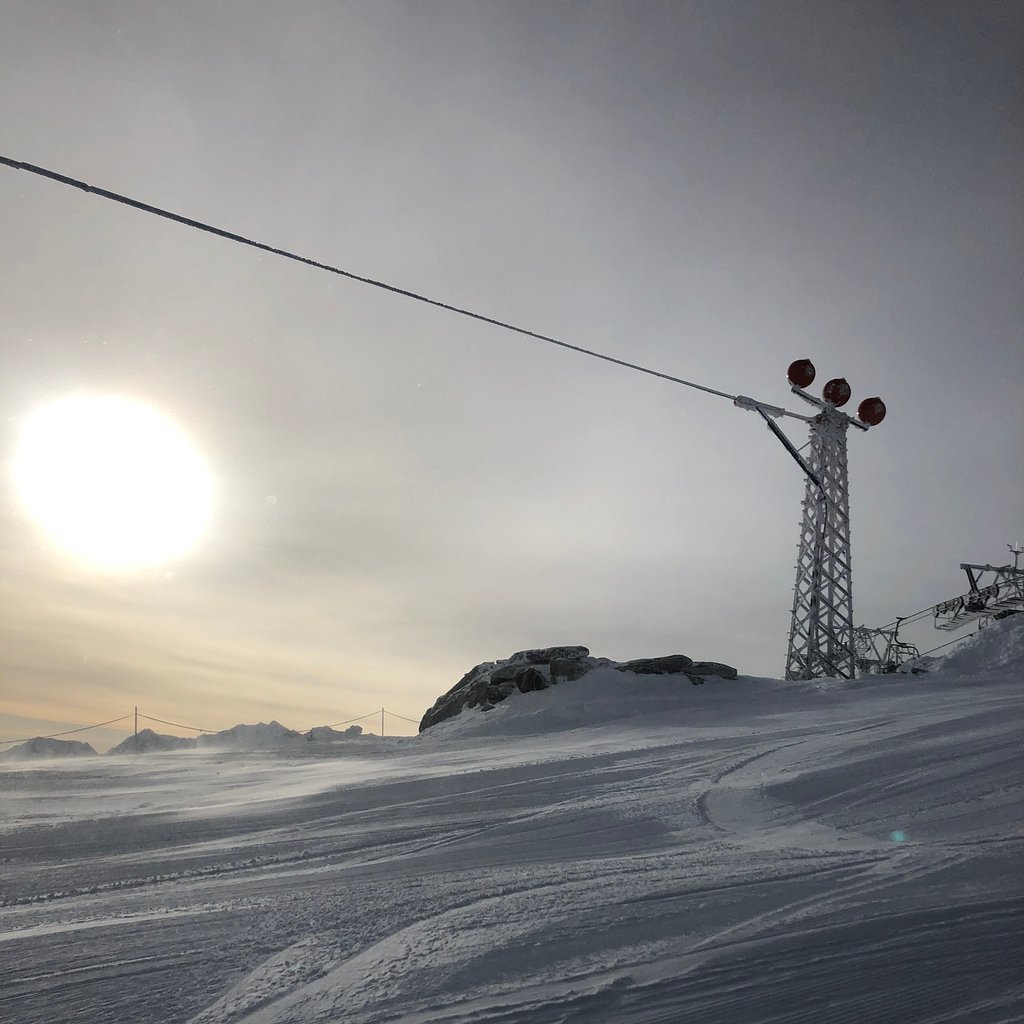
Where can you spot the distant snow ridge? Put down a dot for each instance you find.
(262, 736)
(148, 742)
(999, 648)
(42, 747)
(324, 733)
(491, 682)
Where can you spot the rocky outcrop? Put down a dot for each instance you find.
(491, 682)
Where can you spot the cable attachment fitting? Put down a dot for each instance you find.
(752, 405)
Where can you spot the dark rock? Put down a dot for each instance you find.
(544, 655)
(696, 680)
(670, 663)
(438, 712)
(530, 679)
(564, 670)
(712, 668)
(446, 706)
(488, 684)
(485, 692)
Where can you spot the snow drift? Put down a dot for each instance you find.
(999, 648)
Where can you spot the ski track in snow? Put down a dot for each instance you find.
(733, 863)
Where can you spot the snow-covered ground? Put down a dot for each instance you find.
(618, 849)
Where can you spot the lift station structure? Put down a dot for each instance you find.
(994, 592)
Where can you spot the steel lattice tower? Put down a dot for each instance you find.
(821, 631)
(821, 634)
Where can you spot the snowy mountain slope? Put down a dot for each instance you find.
(147, 742)
(752, 851)
(43, 747)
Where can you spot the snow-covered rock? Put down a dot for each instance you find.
(43, 747)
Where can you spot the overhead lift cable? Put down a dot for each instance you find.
(68, 732)
(349, 721)
(402, 717)
(177, 725)
(199, 225)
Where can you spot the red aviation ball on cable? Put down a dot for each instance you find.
(836, 391)
(871, 411)
(801, 373)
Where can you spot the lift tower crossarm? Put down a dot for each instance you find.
(765, 408)
(812, 400)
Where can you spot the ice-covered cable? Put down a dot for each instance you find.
(416, 296)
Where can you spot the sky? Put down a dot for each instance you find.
(709, 189)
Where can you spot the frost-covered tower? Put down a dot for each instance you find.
(821, 629)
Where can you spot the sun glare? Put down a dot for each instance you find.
(112, 481)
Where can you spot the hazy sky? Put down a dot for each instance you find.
(711, 188)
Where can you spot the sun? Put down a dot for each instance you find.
(111, 481)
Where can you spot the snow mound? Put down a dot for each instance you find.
(999, 648)
(42, 747)
(262, 736)
(148, 742)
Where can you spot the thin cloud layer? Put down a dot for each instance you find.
(710, 190)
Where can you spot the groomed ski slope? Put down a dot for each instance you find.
(620, 849)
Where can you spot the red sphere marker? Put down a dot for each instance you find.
(871, 411)
(801, 373)
(837, 391)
